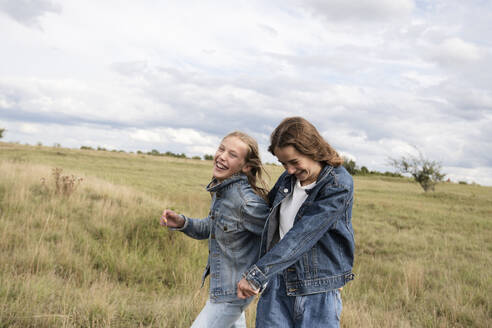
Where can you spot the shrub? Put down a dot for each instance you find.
(63, 185)
(426, 172)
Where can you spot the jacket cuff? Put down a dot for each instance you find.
(255, 277)
(185, 225)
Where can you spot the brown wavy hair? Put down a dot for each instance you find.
(303, 136)
(255, 174)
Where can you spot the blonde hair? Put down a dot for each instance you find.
(252, 160)
(303, 136)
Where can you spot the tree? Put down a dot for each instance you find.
(1, 133)
(426, 172)
(364, 170)
(350, 166)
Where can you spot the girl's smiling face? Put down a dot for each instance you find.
(230, 158)
(303, 167)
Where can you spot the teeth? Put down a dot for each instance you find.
(220, 166)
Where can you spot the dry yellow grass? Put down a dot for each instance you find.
(99, 258)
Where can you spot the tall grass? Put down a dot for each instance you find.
(97, 257)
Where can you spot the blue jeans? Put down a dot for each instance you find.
(222, 315)
(276, 309)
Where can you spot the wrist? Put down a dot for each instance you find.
(251, 282)
(183, 223)
(180, 221)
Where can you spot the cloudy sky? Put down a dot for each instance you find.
(378, 78)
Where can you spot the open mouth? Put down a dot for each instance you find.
(221, 166)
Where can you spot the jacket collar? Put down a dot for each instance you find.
(290, 179)
(215, 185)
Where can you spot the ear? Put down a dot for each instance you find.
(246, 168)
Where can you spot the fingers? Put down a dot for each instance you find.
(171, 219)
(244, 289)
(163, 220)
(240, 293)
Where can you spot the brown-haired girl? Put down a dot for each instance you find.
(308, 244)
(233, 227)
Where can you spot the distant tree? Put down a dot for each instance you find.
(196, 157)
(426, 172)
(86, 148)
(208, 157)
(154, 152)
(350, 166)
(1, 133)
(364, 171)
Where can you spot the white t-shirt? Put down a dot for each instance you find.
(290, 206)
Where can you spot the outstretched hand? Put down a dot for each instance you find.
(245, 290)
(170, 219)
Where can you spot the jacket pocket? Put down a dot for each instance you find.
(227, 232)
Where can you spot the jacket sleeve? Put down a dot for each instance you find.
(196, 228)
(323, 213)
(254, 213)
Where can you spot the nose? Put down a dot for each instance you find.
(220, 155)
(290, 169)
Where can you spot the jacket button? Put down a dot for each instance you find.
(286, 190)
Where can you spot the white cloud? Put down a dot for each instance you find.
(365, 10)
(481, 175)
(454, 51)
(29, 12)
(30, 128)
(376, 77)
(146, 136)
(424, 80)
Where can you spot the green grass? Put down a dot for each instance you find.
(98, 258)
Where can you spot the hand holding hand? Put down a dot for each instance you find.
(172, 220)
(245, 290)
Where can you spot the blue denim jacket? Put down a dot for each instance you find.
(317, 253)
(233, 228)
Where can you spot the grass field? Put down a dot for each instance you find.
(93, 254)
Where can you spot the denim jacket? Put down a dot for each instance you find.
(233, 228)
(317, 253)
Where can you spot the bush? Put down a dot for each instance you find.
(208, 157)
(63, 185)
(426, 172)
